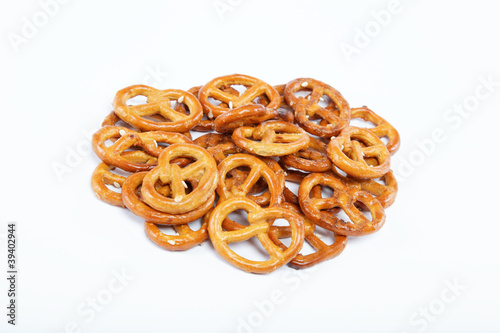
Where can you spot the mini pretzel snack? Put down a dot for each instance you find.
(234, 145)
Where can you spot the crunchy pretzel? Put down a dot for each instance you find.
(204, 170)
(258, 169)
(103, 176)
(385, 193)
(132, 161)
(311, 159)
(323, 251)
(255, 88)
(158, 103)
(258, 219)
(305, 108)
(271, 138)
(353, 146)
(185, 239)
(131, 195)
(382, 127)
(243, 116)
(345, 197)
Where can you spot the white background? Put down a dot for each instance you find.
(58, 84)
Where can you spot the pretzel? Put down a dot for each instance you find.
(259, 226)
(203, 169)
(385, 193)
(337, 117)
(132, 161)
(344, 197)
(103, 176)
(323, 251)
(382, 127)
(312, 159)
(131, 196)
(255, 88)
(277, 138)
(185, 239)
(158, 104)
(243, 116)
(258, 169)
(349, 150)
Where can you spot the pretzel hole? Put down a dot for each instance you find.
(340, 172)
(167, 230)
(361, 123)
(239, 216)
(112, 188)
(325, 101)
(326, 191)
(385, 140)
(326, 236)
(363, 209)
(344, 217)
(137, 100)
(303, 93)
(239, 87)
(196, 224)
(250, 249)
(110, 142)
(214, 101)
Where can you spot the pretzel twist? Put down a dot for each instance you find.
(352, 147)
(322, 252)
(255, 88)
(258, 219)
(336, 117)
(132, 161)
(203, 169)
(271, 138)
(158, 103)
(132, 199)
(382, 127)
(344, 197)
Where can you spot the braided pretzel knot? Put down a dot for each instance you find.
(345, 197)
(271, 138)
(258, 219)
(132, 161)
(255, 88)
(336, 117)
(203, 169)
(353, 146)
(382, 127)
(131, 196)
(312, 159)
(323, 251)
(185, 239)
(158, 103)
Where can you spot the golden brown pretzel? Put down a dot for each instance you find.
(345, 197)
(258, 219)
(158, 104)
(255, 88)
(349, 151)
(271, 138)
(337, 118)
(258, 169)
(323, 251)
(103, 176)
(131, 197)
(311, 159)
(132, 161)
(203, 169)
(382, 127)
(385, 193)
(185, 239)
(243, 116)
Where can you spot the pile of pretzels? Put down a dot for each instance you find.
(259, 137)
